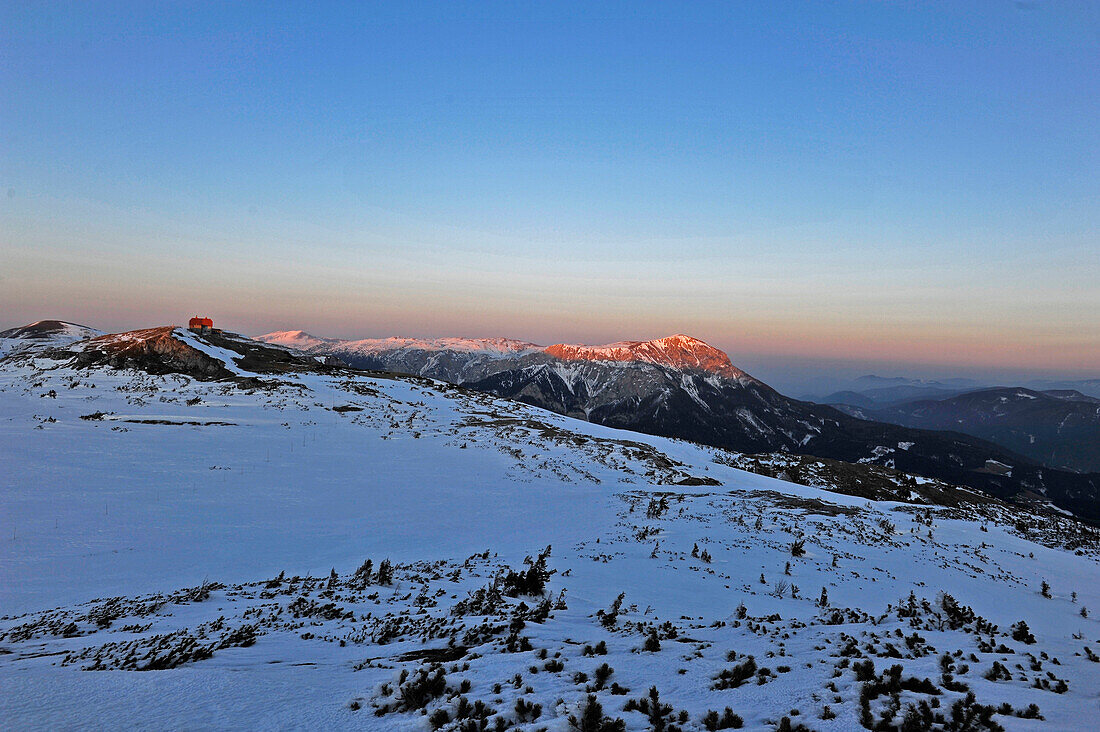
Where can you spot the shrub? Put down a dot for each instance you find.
(864, 670)
(362, 575)
(998, 673)
(385, 572)
(731, 678)
(1021, 633)
(967, 714)
(650, 705)
(609, 617)
(728, 720)
(601, 675)
(531, 581)
(421, 688)
(439, 718)
(590, 718)
(242, 637)
(600, 649)
(527, 711)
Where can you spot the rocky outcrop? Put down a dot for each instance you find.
(153, 350)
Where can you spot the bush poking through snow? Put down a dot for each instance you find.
(601, 675)
(1021, 633)
(600, 649)
(421, 688)
(590, 718)
(731, 678)
(532, 581)
(609, 617)
(362, 576)
(527, 711)
(385, 572)
(728, 720)
(660, 715)
(786, 726)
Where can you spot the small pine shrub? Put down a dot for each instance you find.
(590, 718)
(726, 721)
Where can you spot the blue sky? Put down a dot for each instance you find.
(890, 185)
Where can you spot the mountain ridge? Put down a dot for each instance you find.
(676, 351)
(740, 414)
(1059, 428)
(669, 395)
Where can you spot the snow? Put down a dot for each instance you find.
(297, 339)
(43, 335)
(492, 347)
(997, 466)
(428, 476)
(678, 352)
(228, 357)
(879, 452)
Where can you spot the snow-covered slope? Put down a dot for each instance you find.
(43, 334)
(213, 529)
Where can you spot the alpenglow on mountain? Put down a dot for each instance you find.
(679, 351)
(682, 387)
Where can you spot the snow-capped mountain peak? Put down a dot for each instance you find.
(293, 339)
(47, 329)
(496, 347)
(678, 351)
(492, 347)
(43, 334)
(681, 352)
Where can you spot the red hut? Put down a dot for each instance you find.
(200, 325)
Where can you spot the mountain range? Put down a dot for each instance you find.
(879, 391)
(684, 388)
(1059, 428)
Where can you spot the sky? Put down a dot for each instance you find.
(816, 188)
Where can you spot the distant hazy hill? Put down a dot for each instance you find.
(1059, 428)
